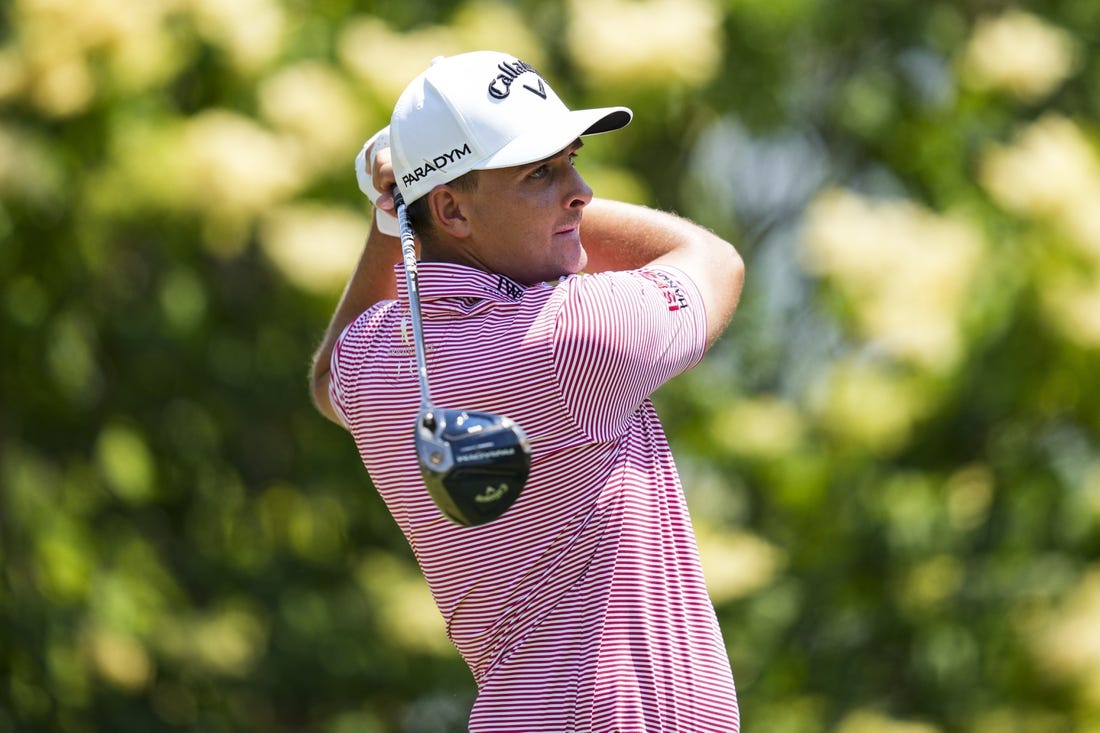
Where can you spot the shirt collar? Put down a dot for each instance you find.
(439, 280)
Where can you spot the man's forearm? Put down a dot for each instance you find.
(619, 236)
(372, 281)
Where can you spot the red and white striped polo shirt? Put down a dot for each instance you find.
(583, 608)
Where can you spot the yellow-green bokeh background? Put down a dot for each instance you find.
(892, 457)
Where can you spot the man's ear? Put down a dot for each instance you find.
(446, 206)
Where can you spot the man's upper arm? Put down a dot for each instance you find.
(325, 378)
(621, 236)
(619, 336)
(718, 273)
(322, 399)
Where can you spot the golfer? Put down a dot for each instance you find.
(583, 607)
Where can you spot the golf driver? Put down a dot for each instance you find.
(474, 463)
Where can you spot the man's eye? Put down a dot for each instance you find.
(540, 172)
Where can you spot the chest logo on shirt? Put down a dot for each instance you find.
(401, 357)
(669, 288)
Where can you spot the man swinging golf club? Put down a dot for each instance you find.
(558, 547)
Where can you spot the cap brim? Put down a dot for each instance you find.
(555, 134)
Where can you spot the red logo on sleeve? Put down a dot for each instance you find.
(669, 287)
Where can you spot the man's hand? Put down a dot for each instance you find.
(374, 172)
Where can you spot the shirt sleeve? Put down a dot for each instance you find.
(336, 376)
(621, 335)
(349, 355)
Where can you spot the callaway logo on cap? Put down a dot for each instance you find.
(482, 110)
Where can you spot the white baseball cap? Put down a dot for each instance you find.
(482, 110)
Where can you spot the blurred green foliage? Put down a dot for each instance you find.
(893, 456)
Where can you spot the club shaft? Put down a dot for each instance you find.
(412, 283)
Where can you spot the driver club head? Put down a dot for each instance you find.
(474, 463)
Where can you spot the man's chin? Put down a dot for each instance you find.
(580, 262)
(565, 268)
